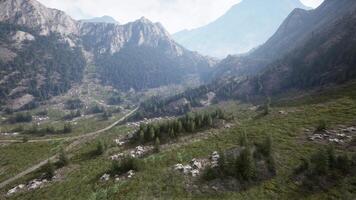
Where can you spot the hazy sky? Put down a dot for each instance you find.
(175, 15)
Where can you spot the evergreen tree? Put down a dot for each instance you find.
(246, 168)
(267, 106)
(243, 140)
(157, 145)
(49, 170)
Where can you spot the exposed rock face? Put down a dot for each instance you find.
(33, 15)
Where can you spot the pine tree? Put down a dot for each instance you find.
(141, 137)
(157, 145)
(243, 140)
(246, 168)
(267, 106)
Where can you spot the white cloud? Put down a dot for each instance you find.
(175, 15)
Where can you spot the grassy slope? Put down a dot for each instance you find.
(156, 181)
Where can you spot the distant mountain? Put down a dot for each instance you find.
(310, 49)
(103, 19)
(43, 52)
(244, 27)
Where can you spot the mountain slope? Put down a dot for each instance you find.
(320, 53)
(245, 26)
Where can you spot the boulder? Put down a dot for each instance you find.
(34, 184)
(196, 164)
(187, 169)
(178, 167)
(105, 177)
(195, 172)
(15, 189)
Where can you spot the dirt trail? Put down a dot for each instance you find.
(78, 140)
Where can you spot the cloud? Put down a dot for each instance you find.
(175, 15)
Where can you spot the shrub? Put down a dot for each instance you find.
(100, 148)
(49, 170)
(322, 125)
(63, 158)
(67, 128)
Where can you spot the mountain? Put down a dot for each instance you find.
(310, 49)
(103, 19)
(140, 55)
(245, 26)
(44, 52)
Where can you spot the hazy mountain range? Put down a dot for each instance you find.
(244, 27)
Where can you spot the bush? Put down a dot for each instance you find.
(49, 170)
(210, 174)
(67, 128)
(100, 148)
(124, 165)
(63, 160)
(322, 125)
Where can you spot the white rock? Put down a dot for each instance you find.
(105, 177)
(187, 169)
(34, 184)
(194, 172)
(178, 167)
(196, 164)
(130, 173)
(15, 189)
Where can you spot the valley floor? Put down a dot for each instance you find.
(289, 124)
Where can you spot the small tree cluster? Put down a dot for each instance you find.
(324, 166)
(242, 166)
(36, 130)
(172, 129)
(124, 165)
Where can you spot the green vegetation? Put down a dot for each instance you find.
(157, 180)
(124, 165)
(172, 129)
(241, 163)
(324, 168)
(73, 104)
(20, 118)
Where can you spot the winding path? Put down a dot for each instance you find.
(78, 140)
